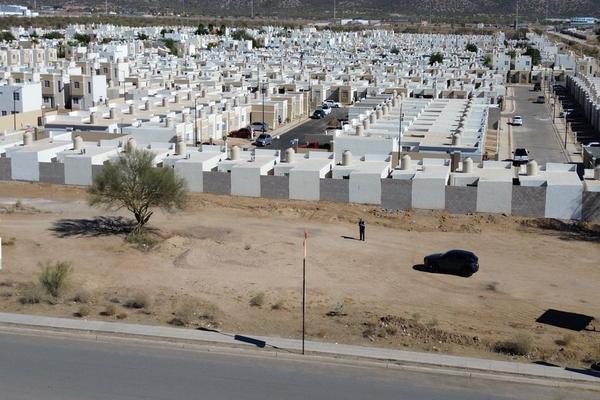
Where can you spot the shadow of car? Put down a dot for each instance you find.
(454, 262)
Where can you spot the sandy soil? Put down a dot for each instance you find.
(223, 251)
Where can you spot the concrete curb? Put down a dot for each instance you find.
(281, 347)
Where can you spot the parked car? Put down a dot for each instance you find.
(332, 104)
(541, 99)
(537, 87)
(264, 140)
(564, 114)
(318, 114)
(326, 109)
(244, 133)
(517, 120)
(592, 144)
(461, 262)
(259, 126)
(521, 156)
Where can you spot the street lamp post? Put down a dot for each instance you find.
(196, 121)
(400, 132)
(15, 108)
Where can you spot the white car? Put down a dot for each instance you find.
(326, 108)
(517, 120)
(332, 104)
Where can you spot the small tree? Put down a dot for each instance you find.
(436, 58)
(53, 277)
(472, 47)
(536, 57)
(132, 182)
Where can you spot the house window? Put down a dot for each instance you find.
(106, 70)
(75, 100)
(46, 83)
(89, 87)
(18, 80)
(4, 113)
(17, 96)
(76, 85)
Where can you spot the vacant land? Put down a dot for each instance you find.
(235, 264)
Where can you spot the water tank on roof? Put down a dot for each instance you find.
(346, 157)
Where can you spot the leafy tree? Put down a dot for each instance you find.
(170, 44)
(201, 30)
(53, 35)
(535, 55)
(436, 58)
(487, 61)
(7, 37)
(132, 182)
(472, 47)
(394, 50)
(142, 36)
(82, 39)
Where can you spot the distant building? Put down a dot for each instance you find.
(583, 22)
(7, 10)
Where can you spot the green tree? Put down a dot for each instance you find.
(472, 47)
(487, 61)
(394, 50)
(436, 58)
(7, 37)
(82, 39)
(536, 57)
(132, 182)
(142, 36)
(170, 44)
(53, 35)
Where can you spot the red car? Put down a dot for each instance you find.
(243, 133)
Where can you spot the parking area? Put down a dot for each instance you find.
(582, 130)
(311, 126)
(537, 134)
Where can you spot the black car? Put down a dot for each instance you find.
(318, 114)
(460, 262)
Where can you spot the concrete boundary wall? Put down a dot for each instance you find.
(5, 169)
(217, 182)
(394, 194)
(529, 201)
(336, 190)
(52, 172)
(274, 187)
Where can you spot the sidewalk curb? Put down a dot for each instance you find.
(206, 344)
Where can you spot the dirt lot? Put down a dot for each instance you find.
(224, 253)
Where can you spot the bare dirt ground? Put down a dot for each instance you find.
(223, 253)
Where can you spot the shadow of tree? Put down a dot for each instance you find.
(98, 226)
(567, 230)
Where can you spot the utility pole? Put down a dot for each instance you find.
(400, 132)
(196, 141)
(304, 289)
(334, 11)
(430, 10)
(252, 9)
(517, 20)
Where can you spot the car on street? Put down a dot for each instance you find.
(537, 87)
(521, 156)
(517, 120)
(259, 126)
(541, 100)
(332, 104)
(326, 109)
(318, 114)
(460, 262)
(245, 133)
(264, 140)
(592, 144)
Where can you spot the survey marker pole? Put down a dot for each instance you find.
(304, 290)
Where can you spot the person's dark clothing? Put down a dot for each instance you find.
(361, 229)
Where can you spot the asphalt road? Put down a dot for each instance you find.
(36, 367)
(311, 126)
(537, 134)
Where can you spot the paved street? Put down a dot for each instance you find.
(34, 367)
(311, 126)
(536, 134)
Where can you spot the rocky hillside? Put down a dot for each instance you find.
(379, 8)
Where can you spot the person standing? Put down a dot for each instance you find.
(361, 229)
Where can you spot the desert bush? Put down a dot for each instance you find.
(9, 242)
(416, 316)
(83, 311)
(122, 315)
(139, 300)
(258, 300)
(184, 315)
(82, 296)
(566, 340)
(278, 305)
(109, 310)
(32, 295)
(520, 345)
(53, 277)
(7, 283)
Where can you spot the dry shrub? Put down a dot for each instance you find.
(122, 315)
(278, 306)
(109, 310)
(83, 311)
(185, 313)
(258, 300)
(139, 300)
(32, 295)
(53, 277)
(7, 283)
(520, 345)
(566, 340)
(82, 297)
